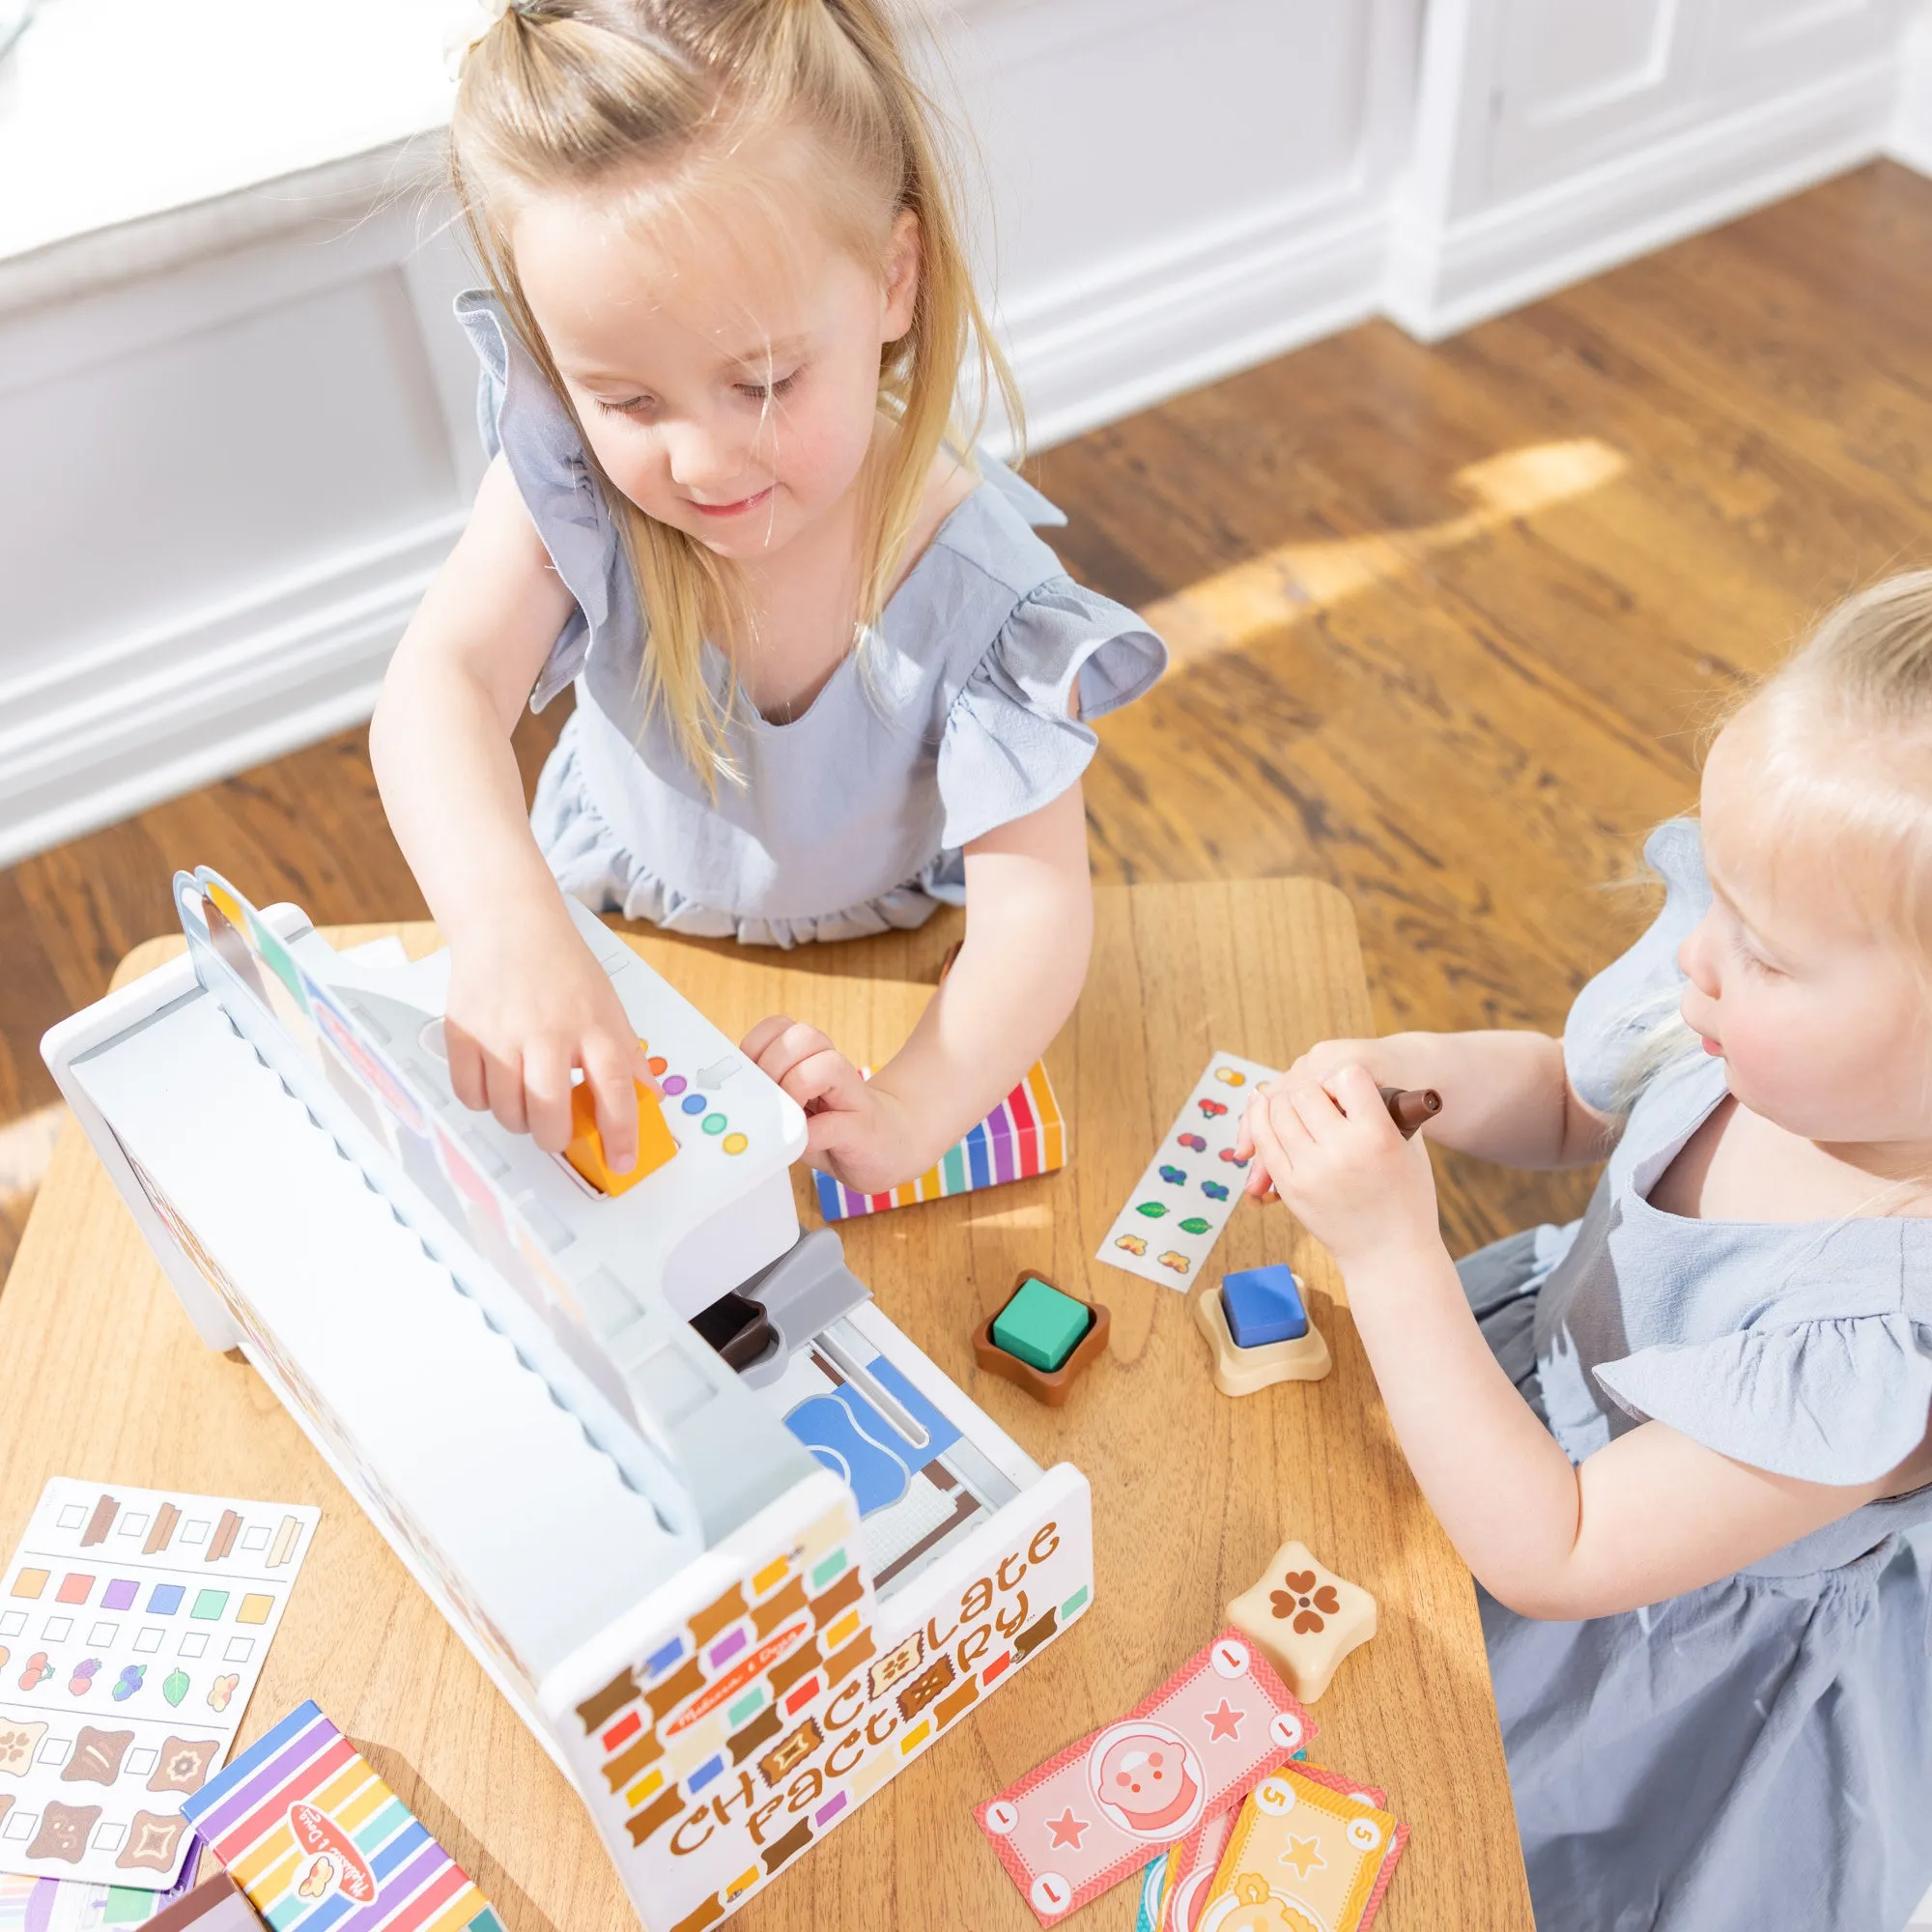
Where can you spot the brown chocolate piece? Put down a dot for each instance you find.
(217, 1905)
(1053, 1387)
(735, 1327)
(1410, 1106)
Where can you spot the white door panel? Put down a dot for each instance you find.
(1574, 80)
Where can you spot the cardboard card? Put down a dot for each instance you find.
(133, 1625)
(1308, 1850)
(1089, 1817)
(1173, 1217)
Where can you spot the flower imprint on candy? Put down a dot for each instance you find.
(1309, 1606)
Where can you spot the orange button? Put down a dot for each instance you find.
(585, 1152)
(657, 1064)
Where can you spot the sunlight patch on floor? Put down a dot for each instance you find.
(1269, 592)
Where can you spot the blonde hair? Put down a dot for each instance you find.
(1842, 751)
(574, 93)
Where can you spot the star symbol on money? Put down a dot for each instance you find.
(1224, 1721)
(1304, 1855)
(1066, 1829)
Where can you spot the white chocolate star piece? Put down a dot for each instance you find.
(1304, 1618)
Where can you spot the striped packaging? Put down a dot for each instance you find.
(1024, 1135)
(321, 1844)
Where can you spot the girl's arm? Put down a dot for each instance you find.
(1506, 1097)
(1650, 1517)
(1028, 931)
(528, 1001)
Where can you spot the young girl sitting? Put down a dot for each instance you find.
(1683, 1442)
(826, 673)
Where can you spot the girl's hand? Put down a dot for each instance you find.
(528, 1004)
(1342, 1169)
(856, 1131)
(1399, 1059)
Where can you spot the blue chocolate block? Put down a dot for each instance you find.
(1263, 1305)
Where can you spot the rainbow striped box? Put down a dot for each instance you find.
(321, 1844)
(1024, 1135)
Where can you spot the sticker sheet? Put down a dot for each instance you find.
(1087, 1819)
(133, 1625)
(1308, 1849)
(1173, 1217)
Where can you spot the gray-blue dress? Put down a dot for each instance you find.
(1755, 1756)
(952, 722)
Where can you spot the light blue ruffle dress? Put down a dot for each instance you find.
(1755, 1756)
(953, 721)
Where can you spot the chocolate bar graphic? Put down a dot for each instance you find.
(225, 1533)
(286, 1539)
(167, 1519)
(99, 1523)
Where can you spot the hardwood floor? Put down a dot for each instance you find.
(1452, 623)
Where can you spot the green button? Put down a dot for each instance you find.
(1041, 1326)
(714, 1123)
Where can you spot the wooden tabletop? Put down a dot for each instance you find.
(102, 1378)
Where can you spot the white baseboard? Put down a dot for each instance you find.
(1442, 279)
(111, 732)
(1100, 349)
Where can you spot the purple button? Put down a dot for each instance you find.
(675, 1084)
(120, 1593)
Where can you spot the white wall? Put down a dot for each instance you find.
(236, 435)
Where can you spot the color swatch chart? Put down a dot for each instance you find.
(134, 1626)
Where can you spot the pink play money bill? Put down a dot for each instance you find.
(1092, 1816)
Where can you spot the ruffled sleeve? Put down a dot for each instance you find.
(1837, 1401)
(1009, 744)
(1634, 995)
(519, 415)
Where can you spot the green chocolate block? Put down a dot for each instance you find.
(1041, 1326)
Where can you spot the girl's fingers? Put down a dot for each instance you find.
(1272, 1153)
(546, 1096)
(504, 1083)
(825, 1080)
(752, 1046)
(1314, 1110)
(788, 1048)
(611, 1071)
(465, 1068)
(1354, 1091)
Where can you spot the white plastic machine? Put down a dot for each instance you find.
(731, 1602)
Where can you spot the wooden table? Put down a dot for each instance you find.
(102, 1378)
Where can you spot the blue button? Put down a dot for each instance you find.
(695, 1103)
(1263, 1305)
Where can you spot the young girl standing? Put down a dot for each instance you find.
(827, 675)
(1683, 1442)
